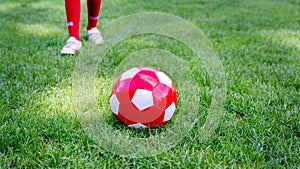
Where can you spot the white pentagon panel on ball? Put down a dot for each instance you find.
(164, 79)
(169, 112)
(129, 73)
(137, 125)
(114, 104)
(142, 99)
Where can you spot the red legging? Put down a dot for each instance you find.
(73, 10)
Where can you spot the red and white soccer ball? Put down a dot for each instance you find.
(143, 97)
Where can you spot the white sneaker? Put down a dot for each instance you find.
(94, 35)
(72, 45)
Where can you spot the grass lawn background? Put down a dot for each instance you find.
(257, 41)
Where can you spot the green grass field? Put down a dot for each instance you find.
(257, 41)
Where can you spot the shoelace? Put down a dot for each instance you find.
(69, 44)
(95, 36)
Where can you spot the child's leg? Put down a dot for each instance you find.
(73, 9)
(93, 8)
